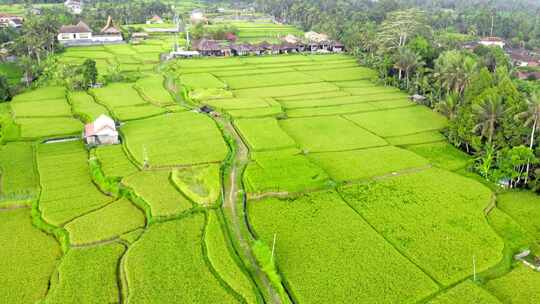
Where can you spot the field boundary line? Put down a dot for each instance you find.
(403, 254)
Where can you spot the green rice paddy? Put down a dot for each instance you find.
(364, 197)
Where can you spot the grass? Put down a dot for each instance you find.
(85, 106)
(46, 93)
(67, 188)
(106, 223)
(156, 188)
(523, 208)
(221, 258)
(286, 90)
(331, 110)
(87, 275)
(366, 163)
(27, 259)
(151, 88)
(117, 95)
(517, 287)
(355, 73)
(201, 184)
(442, 155)
(285, 170)
(373, 99)
(238, 103)
(466, 292)
(418, 138)
(175, 139)
(268, 80)
(332, 133)
(155, 270)
(321, 252)
(136, 112)
(35, 128)
(400, 122)
(18, 175)
(201, 81)
(42, 108)
(264, 134)
(114, 161)
(427, 215)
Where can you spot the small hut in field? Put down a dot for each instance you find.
(101, 132)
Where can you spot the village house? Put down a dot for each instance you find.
(110, 32)
(81, 34)
(523, 58)
(155, 20)
(74, 6)
(9, 20)
(73, 33)
(524, 75)
(492, 41)
(101, 132)
(207, 47)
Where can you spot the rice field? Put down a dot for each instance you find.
(366, 200)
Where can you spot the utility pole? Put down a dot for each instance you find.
(474, 267)
(273, 249)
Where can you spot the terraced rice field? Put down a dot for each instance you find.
(355, 184)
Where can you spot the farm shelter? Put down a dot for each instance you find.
(101, 132)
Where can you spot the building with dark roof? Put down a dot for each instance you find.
(81, 34)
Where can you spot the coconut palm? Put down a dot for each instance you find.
(488, 116)
(531, 119)
(406, 61)
(448, 107)
(454, 71)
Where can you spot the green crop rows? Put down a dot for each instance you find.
(67, 188)
(175, 139)
(157, 190)
(28, 257)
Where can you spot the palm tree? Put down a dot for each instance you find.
(449, 106)
(531, 119)
(454, 71)
(406, 61)
(488, 115)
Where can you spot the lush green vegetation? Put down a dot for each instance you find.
(333, 133)
(18, 174)
(201, 184)
(423, 217)
(218, 251)
(319, 231)
(156, 265)
(264, 134)
(518, 286)
(97, 282)
(106, 223)
(466, 292)
(67, 190)
(85, 106)
(174, 139)
(28, 258)
(156, 188)
(523, 208)
(442, 155)
(114, 162)
(367, 163)
(285, 170)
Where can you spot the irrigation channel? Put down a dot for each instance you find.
(234, 205)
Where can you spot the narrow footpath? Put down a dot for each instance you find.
(232, 186)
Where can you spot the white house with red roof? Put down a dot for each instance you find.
(70, 33)
(101, 132)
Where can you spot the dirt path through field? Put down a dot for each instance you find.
(232, 186)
